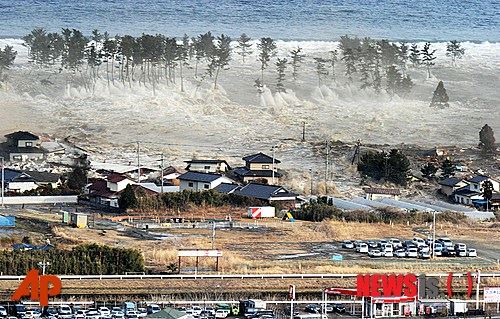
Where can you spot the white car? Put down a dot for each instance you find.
(461, 253)
(388, 253)
(79, 314)
(3, 311)
(418, 241)
(438, 252)
(424, 254)
(375, 253)
(347, 244)
(400, 253)
(143, 312)
(412, 253)
(132, 314)
(362, 248)
(92, 314)
(446, 242)
(32, 314)
(396, 243)
(104, 311)
(222, 313)
(471, 252)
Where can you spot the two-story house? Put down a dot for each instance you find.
(259, 167)
(450, 185)
(476, 183)
(472, 192)
(24, 146)
(207, 166)
(197, 181)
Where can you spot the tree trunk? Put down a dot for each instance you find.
(216, 77)
(182, 77)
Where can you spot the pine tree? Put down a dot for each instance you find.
(393, 80)
(454, 50)
(428, 57)
(414, 55)
(182, 58)
(127, 198)
(349, 59)
(405, 85)
(440, 97)
(321, 68)
(221, 56)
(267, 48)
(487, 139)
(403, 56)
(296, 60)
(244, 46)
(447, 168)
(280, 69)
(7, 57)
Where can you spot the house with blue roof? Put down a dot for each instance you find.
(198, 181)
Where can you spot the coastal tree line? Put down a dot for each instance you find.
(88, 259)
(147, 59)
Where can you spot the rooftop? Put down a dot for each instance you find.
(478, 179)
(22, 135)
(465, 191)
(226, 188)
(260, 158)
(382, 191)
(199, 177)
(244, 171)
(452, 181)
(116, 178)
(263, 191)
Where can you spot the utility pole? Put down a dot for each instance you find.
(303, 131)
(311, 172)
(161, 166)
(477, 287)
(44, 265)
(327, 155)
(213, 235)
(3, 180)
(433, 234)
(273, 162)
(138, 164)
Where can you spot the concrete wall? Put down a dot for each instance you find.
(19, 200)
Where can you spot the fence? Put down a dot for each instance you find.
(39, 200)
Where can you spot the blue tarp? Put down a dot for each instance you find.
(7, 221)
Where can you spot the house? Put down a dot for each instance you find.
(450, 185)
(23, 146)
(495, 201)
(99, 193)
(20, 181)
(268, 193)
(117, 182)
(208, 166)
(466, 196)
(374, 193)
(476, 183)
(198, 181)
(258, 167)
(157, 189)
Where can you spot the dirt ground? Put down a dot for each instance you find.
(269, 246)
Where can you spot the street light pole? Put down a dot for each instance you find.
(433, 234)
(138, 164)
(161, 189)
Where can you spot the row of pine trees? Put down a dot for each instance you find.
(89, 259)
(147, 59)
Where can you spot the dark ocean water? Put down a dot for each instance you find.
(433, 20)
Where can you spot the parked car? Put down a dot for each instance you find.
(471, 252)
(412, 252)
(347, 244)
(153, 308)
(104, 311)
(418, 241)
(447, 252)
(312, 308)
(460, 246)
(424, 254)
(362, 248)
(446, 242)
(93, 314)
(461, 253)
(117, 314)
(79, 314)
(375, 253)
(388, 253)
(438, 251)
(371, 244)
(32, 314)
(424, 248)
(396, 243)
(222, 313)
(3, 311)
(409, 244)
(338, 308)
(400, 253)
(210, 310)
(328, 308)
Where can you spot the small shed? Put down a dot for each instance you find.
(79, 220)
(65, 217)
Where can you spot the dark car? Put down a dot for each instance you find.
(338, 308)
(312, 308)
(448, 252)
